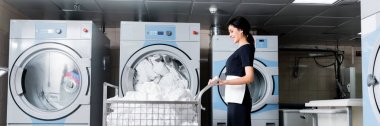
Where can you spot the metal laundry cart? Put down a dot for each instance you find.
(151, 113)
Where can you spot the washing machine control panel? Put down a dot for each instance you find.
(261, 43)
(161, 32)
(50, 30)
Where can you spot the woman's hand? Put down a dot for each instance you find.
(209, 82)
(222, 82)
(214, 81)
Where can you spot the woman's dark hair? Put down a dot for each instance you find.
(243, 24)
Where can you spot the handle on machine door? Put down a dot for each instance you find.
(3, 71)
(18, 80)
(127, 81)
(371, 80)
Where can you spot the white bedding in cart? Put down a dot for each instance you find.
(157, 78)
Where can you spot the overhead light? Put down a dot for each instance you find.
(213, 9)
(315, 1)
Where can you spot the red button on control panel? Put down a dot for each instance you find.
(195, 33)
(85, 30)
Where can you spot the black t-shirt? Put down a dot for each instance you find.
(241, 58)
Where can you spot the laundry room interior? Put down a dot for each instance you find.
(120, 62)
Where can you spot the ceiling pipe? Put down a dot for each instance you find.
(217, 30)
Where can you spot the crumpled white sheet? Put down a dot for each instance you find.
(157, 80)
(144, 73)
(159, 66)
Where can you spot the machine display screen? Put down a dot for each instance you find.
(160, 33)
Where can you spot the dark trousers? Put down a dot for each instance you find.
(240, 114)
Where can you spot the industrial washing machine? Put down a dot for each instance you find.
(143, 44)
(56, 71)
(370, 18)
(264, 89)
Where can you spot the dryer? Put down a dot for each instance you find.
(370, 32)
(169, 43)
(56, 71)
(264, 89)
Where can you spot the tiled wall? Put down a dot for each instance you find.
(114, 35)
(6, 13)
(313, 82)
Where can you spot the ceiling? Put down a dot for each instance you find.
(302, 23)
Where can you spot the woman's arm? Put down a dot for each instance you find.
(247, 79)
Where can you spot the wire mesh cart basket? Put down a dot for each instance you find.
(151, 113)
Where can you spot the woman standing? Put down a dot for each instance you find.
(239, 72)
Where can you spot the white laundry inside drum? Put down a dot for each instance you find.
(163, 77)
(157, 77)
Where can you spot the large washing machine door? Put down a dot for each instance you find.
(261, 89)
(47, 80)
(373, 82)
(157, 60)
